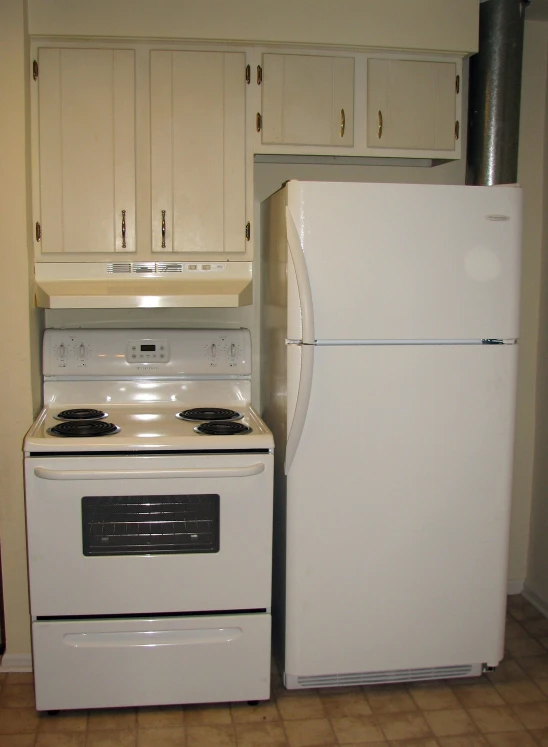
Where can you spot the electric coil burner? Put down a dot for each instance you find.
(81, 413)
(222, 428)
(209, 413)
(83, 429)
(150, 551)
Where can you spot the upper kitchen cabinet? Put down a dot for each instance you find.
(198, 155)
(306, 101)
(84, 186)
(413, 108)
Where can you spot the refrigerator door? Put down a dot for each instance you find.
(406, 261)
(398, 505)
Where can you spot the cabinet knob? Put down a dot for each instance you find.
(343, 122)
(123, 229)
(379, 128)
(163, 229)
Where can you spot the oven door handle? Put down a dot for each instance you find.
(146, 474)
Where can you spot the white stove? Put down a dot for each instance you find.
(142, 394)
(149, 540)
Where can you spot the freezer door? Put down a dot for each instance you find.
(398, 505)
(407, 261)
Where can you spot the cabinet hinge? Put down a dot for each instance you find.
(34, 69)
(248, 74)
(457, 130)
(38, 231)
(259, 75)
(247, 231)
(457, 84)
(259, 122)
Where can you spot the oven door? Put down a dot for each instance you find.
(146, 534)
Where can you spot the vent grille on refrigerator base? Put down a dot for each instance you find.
(376, 678)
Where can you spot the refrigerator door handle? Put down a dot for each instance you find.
(303, 281)
(301, 405)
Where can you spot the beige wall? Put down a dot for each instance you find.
(537, 571)
(18, 321)
(448, 25)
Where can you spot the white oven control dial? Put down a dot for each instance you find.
(81, 351)
(61, 350)
(147, 351)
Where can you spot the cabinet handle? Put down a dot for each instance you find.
(379, 128)
(258, 122)
(123, 229)
(163, 229)
(343, 122)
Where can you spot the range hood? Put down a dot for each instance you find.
(141, 285)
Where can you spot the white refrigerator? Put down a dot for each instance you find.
(389, 334)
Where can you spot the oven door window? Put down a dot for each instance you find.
(150, 524)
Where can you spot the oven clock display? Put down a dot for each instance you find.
(149, 351)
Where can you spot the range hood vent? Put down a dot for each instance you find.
(143, 268)
(132, 285)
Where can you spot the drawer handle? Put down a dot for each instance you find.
(123, 229)
(343, 122)
(143, 474)
(152, 638)
(163, 229)
(379, 128)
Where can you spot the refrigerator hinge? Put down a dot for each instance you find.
(493, 341)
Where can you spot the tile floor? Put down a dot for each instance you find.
(507, 708)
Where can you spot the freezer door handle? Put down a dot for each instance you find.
(301, 405)
(303, 281)
(152, 474)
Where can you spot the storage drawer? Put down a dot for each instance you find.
(155, 661)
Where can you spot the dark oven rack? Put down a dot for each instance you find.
(150, 524)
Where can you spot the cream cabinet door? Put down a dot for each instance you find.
(307, 100)
(86, 111)
(198, 151)
(411, 105)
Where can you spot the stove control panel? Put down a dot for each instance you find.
(152, 352)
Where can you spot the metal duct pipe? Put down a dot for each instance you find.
(494, 97)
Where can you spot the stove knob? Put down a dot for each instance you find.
(62, 350)
(82, 350)
(213, 350)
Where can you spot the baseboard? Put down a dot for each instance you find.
(515, 587)
(535, 600)
(16, 663)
